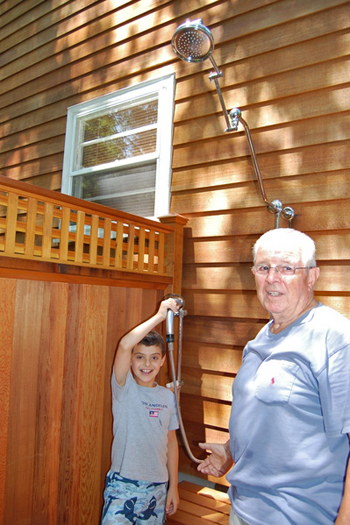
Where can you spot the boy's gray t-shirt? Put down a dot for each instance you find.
(142, 417)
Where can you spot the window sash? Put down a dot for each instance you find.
(159, 151)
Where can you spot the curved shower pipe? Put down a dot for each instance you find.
(193, 42)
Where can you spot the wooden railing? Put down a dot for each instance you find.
(39, 224)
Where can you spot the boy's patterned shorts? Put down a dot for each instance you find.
(129, 502)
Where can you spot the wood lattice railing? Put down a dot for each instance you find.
(43, 225)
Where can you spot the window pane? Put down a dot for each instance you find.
(120, 148)
(137, 204)
(125, 189)
(121, 120)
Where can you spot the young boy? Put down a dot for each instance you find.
(141, 485)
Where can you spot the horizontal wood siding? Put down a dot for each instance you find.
(285, 65)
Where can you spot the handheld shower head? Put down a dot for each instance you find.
(170, 338)
(193, 41)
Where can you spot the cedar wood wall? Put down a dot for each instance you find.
(58, 341)
(285, 65)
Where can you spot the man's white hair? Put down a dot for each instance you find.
(292, 244)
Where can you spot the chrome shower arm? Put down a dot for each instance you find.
(215, 76)
(275, 206)
(218, 72)
(236, 117)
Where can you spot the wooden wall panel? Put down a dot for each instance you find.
(49, 408)
(7, 312)
(59, 341)
(21, 450)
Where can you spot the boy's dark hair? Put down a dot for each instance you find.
(153, 338)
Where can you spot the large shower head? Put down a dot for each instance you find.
(193, 41)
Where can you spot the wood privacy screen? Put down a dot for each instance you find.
(48, 226)
(58, 330)
(58, 340)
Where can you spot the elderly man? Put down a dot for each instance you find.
(290, 416)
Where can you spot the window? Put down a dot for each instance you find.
(118, 149)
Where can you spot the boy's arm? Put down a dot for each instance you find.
(172, 500)
(122, 359)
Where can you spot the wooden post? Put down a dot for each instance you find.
(174, 250)
(173, 264)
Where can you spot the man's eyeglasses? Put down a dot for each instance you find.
(283, 269)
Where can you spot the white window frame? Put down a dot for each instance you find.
(164, 87)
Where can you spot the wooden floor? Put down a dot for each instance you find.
(200, 506)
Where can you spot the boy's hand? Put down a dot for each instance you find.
(172, 501)
(168, 304)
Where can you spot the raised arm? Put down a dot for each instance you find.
(122, 359)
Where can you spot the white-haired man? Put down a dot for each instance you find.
(290, 416)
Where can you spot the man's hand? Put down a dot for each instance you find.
(219, 462)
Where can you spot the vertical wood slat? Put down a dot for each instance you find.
(21, 451)
(47, 230)
(119, 245)
(50, 393)
(151, 251)
(79, 236)
(93, 239)
(161, 252)
(107, 242)
(71, 428)
(11, 224)
(30, 227)
(130, 247)
(64, 238)
(141, 255)
(7, 324)
(93, 370)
